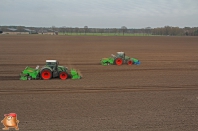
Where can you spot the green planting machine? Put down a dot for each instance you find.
(50, 70)
(119, 59)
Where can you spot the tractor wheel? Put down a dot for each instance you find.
(129, 62)
(29, 78)
(46, 74)
(63, 75)
(118, 61)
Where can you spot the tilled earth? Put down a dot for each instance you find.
(160, 94)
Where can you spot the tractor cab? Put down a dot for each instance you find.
(120, 55)
(53, 64)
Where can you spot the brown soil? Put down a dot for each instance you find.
(160, 94)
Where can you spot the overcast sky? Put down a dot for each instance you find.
(99, 13)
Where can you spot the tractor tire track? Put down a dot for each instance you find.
(94, 90)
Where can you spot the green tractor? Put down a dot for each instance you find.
(119, 59)
(50, 70)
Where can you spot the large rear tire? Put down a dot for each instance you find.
(46, 74)
(118, 61)
(63, 75)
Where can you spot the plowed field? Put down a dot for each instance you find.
(160, 94)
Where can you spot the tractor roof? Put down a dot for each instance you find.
(120, 52)
(51, 60)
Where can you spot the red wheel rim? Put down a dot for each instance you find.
(129, 62)
(63, 76)
(46, 75)
(119, 61)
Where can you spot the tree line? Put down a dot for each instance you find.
(123, 30)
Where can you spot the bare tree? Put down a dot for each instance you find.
(124, 29)
(148, 30)
(114, 31)
(61, 29)
(64, 29)
(101, 31)
(53, 29)
(70, 30)
(67, 29)
(76, 30)
(85, 29)
(167, 30)
(196, 32)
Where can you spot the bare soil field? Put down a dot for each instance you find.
(161, 94)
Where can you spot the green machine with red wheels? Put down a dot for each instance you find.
(119, 59)
(52, 69)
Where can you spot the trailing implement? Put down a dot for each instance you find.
(119, 59)
(52, 69)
